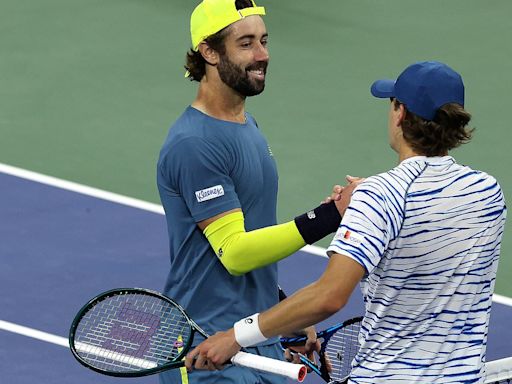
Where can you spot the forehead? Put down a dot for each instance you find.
(249, 26)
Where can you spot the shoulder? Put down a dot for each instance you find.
(482, 183)
(192, 134)
(250, 119)
(391, 183)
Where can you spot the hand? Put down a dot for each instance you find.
(335, 194)
(345, 196)
(337, 190)
(311, 346)
(214, 352)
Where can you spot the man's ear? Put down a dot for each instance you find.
(402, 111)
(209, 54)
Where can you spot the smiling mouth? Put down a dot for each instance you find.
(257, 73)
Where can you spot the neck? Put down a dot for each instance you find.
(217, 100)
(406, 154)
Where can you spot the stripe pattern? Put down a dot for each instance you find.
(428, 233)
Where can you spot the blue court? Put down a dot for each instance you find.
(60, 247)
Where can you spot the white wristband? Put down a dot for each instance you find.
(247, 331)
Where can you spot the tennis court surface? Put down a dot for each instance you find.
(63, 243)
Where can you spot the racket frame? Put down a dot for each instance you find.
(326, 334)
(177, 362)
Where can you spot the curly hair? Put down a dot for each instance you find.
(195, 64)
(436, 137)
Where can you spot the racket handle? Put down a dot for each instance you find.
(293, 371)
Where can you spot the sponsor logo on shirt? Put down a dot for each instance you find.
(349, 237)
(209, 193)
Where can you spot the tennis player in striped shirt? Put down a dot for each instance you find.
(423, 239)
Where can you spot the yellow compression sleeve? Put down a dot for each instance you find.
(240, 251)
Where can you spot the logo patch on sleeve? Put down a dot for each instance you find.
(349, 237)
(209, 193)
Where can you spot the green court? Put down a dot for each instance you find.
(89, 88)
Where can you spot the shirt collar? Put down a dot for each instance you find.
(430, 160)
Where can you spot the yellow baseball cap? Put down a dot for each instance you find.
(210, 16)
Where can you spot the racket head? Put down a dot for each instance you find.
(340, 346)
(131, 332)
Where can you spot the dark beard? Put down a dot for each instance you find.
(238, 79)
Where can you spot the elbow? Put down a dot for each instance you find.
(235, 271)
(233, 268)
(330, 302)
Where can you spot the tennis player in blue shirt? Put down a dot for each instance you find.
(423, 239)
(217, 180)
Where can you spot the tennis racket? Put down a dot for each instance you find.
(132, 332)
(338, 348)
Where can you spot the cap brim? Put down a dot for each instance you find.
(383, 88)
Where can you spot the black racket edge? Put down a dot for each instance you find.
(300, 340)
(178, 363)
(320, 370)
(326, 335)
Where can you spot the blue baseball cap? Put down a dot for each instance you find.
(423, 87)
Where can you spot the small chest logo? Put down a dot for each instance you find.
(209, 193)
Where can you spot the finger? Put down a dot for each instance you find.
(337, 189)
(210, 366)
(352, 179)
(288, 355)
(219, 367)
(190, 359)
(296, 359)
(327, 200)
(201, 362)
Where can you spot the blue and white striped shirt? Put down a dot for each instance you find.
(428, 233)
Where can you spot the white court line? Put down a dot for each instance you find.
(141, 204)
(34, 333)
(79, 188)
(81, 347)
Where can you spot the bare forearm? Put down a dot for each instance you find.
(297, 312)
(315, 302)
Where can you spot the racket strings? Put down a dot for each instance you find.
(125, 333)
(341, 349)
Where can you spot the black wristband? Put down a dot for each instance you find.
(319, 222)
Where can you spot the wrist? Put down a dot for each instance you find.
(319, 222)
(247, 331)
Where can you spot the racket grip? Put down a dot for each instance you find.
(293, 371)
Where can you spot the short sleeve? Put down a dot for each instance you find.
(199, 171)
(364, 232)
